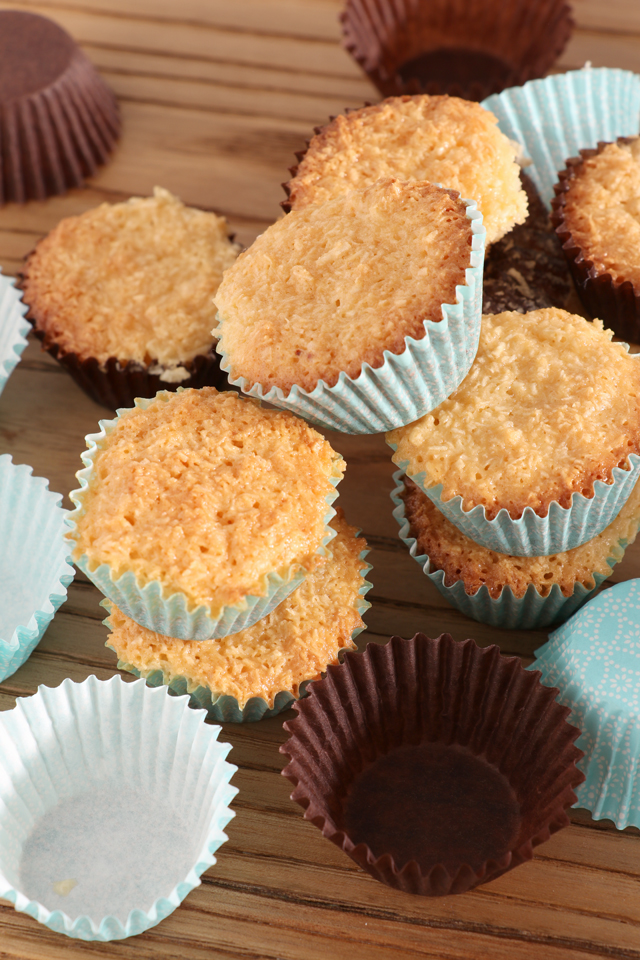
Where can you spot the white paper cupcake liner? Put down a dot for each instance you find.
(35, 566)
(529, 612)
(113, 801)
(174, 616)
(407, 385)
(557, 117)
(13, 328)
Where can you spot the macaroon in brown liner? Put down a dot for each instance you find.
(59, 120)
(434, 764)
(616, 303)
(466, 48)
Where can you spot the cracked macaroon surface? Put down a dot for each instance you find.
(549, 406)
(294, 643)
(460, 558)
(331, 287)
(207, 493)
(446, 140)
(132, 280)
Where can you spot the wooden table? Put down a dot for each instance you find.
(216, 96)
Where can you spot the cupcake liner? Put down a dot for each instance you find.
(113, 801)
(470, 50)
(174, 615)
(223, 708)
(439, 732)
(407, 385)
(533, 536)
(13, 328)
(35, 566)
(556, 117)
(532, 611)
(594, 660)
(615, 302)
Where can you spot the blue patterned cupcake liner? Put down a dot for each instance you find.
(532, 611)
(406, 385)
(13, 328)
(174, 615)
(129, 789)
(35, 566)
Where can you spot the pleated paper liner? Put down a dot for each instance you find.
(434, 764)
(35, 566)
(594, 660)
(465, 48)
(615, 302)
(113, 801)
(59, 121)
(13, 328)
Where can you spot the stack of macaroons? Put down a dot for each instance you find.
(206, 520)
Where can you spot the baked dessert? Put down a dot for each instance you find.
(549, 406)
(131, 284)
(333, 286)
(448, 141)
(291, 645)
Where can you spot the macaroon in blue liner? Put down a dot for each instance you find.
(13, 328)
(174, 615)
(594, 661)
(113, 800)
(529, 612)
(35, 566)
(223, 708)
(406, 385)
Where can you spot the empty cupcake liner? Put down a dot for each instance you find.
(13, 328)
(174, 615)
(221, 707)
(35, 566)
(532, 611)
(113, 801)
(439, 732)
(594, 660)
(531, 535)
(557, 117)
(465, 49)
(407, 385)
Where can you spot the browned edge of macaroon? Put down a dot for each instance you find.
(615, 302)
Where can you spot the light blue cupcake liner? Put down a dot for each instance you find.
(173, 615)
(13, 328)
(129, 789)
(529, 612)
(557, 117)
(594, 660)
(406, 385)
(532, 536)
(223, 708)
(35, 566)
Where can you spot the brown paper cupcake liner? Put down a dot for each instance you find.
(434, 764)
(465, 48)
(614, 302)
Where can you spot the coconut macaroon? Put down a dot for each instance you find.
(133, 281)
(460, 558)
(333, 286)
(549, 406)
(446, 140)
(206, 493)
(292, 644)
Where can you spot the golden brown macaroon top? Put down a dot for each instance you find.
(207, 493)
(292, 644)
(331, 287)
(549, 406)
(461, 558)
(602, 210)
(131, 280)
(442, 139)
